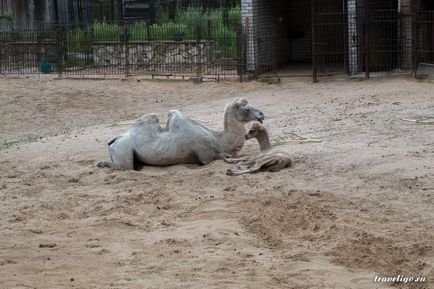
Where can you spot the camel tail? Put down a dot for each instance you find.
(112, 140)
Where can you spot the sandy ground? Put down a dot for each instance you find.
(356, 205)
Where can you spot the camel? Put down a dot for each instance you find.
(182, 141)
(269, 159)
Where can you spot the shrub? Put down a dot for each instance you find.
(184, 26)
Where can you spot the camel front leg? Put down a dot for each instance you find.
(234, 160)
(244, 170)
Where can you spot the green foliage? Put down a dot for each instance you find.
(225, 40)
(138, 31)
(102, 31)
(234, 16)
(9, 16)
(210, 22)
(191, 16)
(162, 14)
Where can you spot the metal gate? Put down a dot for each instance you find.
(388, 36)
(266, 50)
(424, 39)
(329, 37)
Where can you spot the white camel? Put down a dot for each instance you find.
(182, 141)
(269, 159)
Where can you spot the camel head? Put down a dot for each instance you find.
(254, 130)
(244, 112)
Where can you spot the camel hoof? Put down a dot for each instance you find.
(230, 172)
(103, 164)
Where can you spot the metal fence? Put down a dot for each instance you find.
(424, 39)
(201, 50)
(367, 36)
(329, 37)
(347, 38)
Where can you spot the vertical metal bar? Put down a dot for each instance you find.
(199, 48)
(366, 40)
(274, 47)
(345, 24)
(127, 50)
(415, 35)
(59, 60)
(240, 70)
(314, 62)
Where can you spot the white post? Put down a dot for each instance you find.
(248, 31)
(354, 47)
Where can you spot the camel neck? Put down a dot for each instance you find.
(263, 140)
(232, 137)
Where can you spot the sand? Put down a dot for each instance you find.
(358, 204)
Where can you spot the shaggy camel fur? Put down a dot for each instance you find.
(269, 159)
(182, 141)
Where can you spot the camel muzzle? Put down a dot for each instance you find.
(260, 116)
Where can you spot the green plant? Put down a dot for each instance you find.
(162, 14)
(234, 16)
(103, 31)
(225, 40)
(211, 23)
(138, 31)
(9, 16)
(168, 31)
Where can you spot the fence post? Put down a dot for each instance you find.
(210, 30)
(199, 51)
(415, 42)
(127, 50)
(240, 59)
(366, 48)
(314, 62)
(274, 52)
(59, 48)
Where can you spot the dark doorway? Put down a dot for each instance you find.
(40, 11)
(425, 33)
(384, 34)
(330, 37)
(294, 38)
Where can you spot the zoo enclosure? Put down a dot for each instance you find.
(348, 37)
(194, 42)
(369, 36)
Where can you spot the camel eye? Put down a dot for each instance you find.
(247, 109)
(251, 131)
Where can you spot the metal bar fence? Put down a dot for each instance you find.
(329, 37)
(201, 50)
(424, 41)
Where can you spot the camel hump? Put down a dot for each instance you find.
(175, 113)
(149, 118)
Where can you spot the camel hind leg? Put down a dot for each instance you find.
(107, 164)
(281, 164)
(122, 153)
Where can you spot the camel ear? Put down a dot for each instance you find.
(240, 102)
